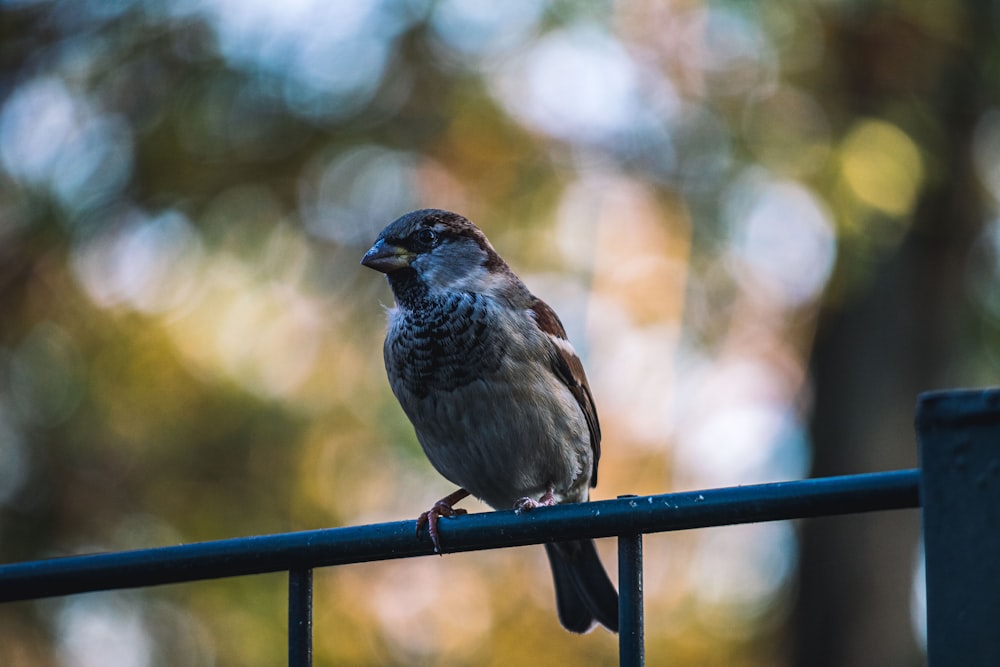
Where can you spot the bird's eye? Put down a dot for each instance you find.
(427, 238)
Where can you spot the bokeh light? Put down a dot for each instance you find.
(882, 166)
(578, 84)
(788, 261)
(55, 140)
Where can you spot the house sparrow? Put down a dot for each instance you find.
(495, 392)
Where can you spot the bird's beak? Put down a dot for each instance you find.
(386, 257)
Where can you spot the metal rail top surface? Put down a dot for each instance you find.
(487, 530)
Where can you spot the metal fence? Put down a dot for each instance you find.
(957, 485)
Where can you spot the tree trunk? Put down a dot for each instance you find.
(875, 352)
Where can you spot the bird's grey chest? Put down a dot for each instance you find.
(442, 344)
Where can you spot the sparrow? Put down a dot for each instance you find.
(495, 392)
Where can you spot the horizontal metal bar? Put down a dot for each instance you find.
(488, 530)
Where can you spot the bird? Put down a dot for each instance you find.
(496, 394)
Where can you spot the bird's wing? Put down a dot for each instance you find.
(569, 369)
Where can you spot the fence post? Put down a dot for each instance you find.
(631, 622)
(300, 588)
(959, 434)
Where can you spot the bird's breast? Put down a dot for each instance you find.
(442, 346)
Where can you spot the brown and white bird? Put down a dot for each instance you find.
(495, 391)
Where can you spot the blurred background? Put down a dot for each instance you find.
(766, 226)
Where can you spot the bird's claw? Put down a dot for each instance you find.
(522, 505)
(525, 504)
(430, 520)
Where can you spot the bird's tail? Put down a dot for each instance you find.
(584, 593)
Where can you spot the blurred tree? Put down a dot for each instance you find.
(898, 323)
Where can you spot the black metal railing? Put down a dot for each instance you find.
(958, 482)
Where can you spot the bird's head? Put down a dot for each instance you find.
(442, 250)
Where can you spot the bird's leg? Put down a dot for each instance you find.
(441, 508)
(525, 504)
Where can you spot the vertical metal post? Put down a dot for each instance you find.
(300, 587)
(959, 433)
(631, 628)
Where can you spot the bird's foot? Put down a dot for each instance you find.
(441, 508)
(527, 504)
